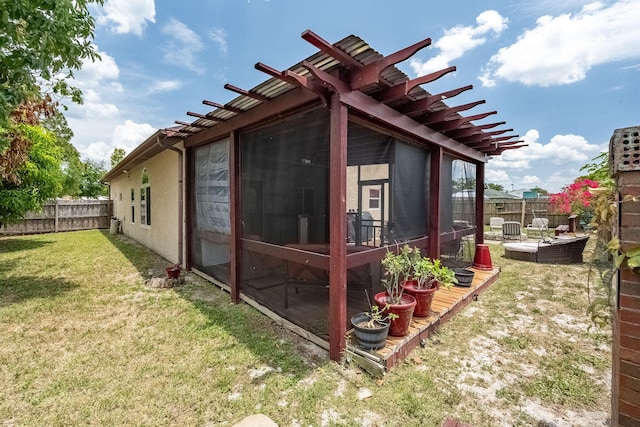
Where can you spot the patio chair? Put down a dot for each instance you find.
(495, 226)
(511, 230)
(539, 225)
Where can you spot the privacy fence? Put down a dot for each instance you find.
(522, 211)
(64, 215)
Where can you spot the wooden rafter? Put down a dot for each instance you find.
(422, 106)
(443, 115)
(456, 123)
(504, 140)
(326, 47)
(292, 78)
(243, 92)
(401, 90)
(465, 131)
(370, 74)
(222, 107)
(185, 124)
(470, 139)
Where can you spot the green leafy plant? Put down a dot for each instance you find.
(430, 273)
(398, 266)
(379, 315)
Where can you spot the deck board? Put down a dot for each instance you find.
(446, 303)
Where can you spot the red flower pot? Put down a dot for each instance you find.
(173, 272)
(400, 325)
(424, 298)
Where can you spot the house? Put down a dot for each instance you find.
(290, 194)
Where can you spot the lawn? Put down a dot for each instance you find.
(84, 341)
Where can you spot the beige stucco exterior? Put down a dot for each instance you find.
(367, 172)
(162, 236)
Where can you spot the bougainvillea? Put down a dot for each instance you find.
(574, 198)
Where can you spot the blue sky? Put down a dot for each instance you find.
(563, 75)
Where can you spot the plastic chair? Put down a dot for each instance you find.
(540, 225)
(511, 230)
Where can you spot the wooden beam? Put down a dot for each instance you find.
(456, 123)
(480, 177)
(198, 115)
(240, 91)
(222, 107)
(235, 249)
(185, 124)
(480, 136)
(179, 122)
(435, 172)
(331, 50)
(442, 115)
(464, 131)
(292, 78)
(338, 230)
(400, 90)
(422, 105)
(290, 100)
(370, 74)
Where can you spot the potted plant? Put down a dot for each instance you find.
(371, 328)
(397, 269)
(429, 274)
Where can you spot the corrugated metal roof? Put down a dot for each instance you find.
(272, 88)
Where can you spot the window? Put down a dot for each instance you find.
(374, 198)
(133, 206)
(145, 200)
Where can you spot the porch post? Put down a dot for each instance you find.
(435, 171)
(480, 203)
(337, 228)
(234, 215)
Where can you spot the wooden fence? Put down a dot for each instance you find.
(64, 215)
(521, 210)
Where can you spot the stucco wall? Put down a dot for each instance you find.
(162, 235)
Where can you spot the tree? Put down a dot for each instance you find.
(42, 42)
(71, 163)
(599, 170)
(37, 179)
(117, 155)
(464, 184)
(92, 173)
(493, 186)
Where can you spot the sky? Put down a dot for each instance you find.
(563, 74)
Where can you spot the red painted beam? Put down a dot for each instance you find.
(400, 90)
(463, 131)
(240, 91)
(442, 115)
(222, 107)
(422, 105)
(331, 50)
(338, 228)
(369, 74)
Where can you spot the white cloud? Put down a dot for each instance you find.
(458, 40)
(530, 180)
(219, 36)
(94, 73)
(127, 135)
(127, 16)
(131, 134)
(183, 46)
(561, 50)
(165, 86)
(496, 176)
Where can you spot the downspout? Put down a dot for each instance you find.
(161, 142)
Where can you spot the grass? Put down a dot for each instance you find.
(85, 342)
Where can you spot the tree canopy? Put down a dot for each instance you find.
(42, 42)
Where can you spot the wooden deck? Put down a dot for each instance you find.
(446, 303)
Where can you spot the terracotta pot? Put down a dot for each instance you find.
(400, 326)
(173, 272)
(369, 338)
(424, 298)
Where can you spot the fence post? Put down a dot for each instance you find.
(57, 216)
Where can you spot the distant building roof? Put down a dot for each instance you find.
(490, 193)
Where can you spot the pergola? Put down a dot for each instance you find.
(349, 78)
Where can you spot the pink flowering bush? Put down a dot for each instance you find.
(574, 198)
